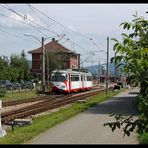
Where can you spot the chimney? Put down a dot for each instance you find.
(53, 39)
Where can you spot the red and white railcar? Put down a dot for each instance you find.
(70, 81)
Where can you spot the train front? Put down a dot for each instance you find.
(59, 82)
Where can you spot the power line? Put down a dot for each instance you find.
(59, 23)
(90, 39)
(76, 44)
(97, 45)
(26, 24)
(42, 19)
(21, 17)
(17, 36)
(22, 23)
(26, 19)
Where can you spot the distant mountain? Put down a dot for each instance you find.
(95, 69)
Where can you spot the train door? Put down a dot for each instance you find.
(80, 82)
(85, 81)
(68, 82)
(82, 78)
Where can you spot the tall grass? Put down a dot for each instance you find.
(18, 96)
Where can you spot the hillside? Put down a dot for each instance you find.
(95, 68)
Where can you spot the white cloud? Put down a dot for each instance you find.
(73, 28)
(94, 20)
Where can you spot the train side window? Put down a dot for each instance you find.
(74, 77)
(89, 78)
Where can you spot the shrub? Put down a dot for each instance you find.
(2, 92)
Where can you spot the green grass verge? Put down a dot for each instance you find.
(143, 138)
(44, 122)
(19, 96)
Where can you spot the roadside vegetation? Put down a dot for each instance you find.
(43, 122)
(15, 68)
(132, 54)
(19, 96)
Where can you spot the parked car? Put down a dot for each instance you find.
(27, 84)
(6, 84)
(16, 85)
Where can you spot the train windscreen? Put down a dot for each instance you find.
(58, 77)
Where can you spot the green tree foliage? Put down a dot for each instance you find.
(133, 52)
(4, 66)
(15, 69)
(56, 60)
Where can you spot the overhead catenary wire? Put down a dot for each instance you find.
(23, 23)
(76, 43)
(90, 39)
(90, 53)
(17, 36)
(97, 45)
(26, 19)
(58, 22)
(42, 27)
(26, 24)
(42, 19)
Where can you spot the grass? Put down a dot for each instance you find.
(18, 96)
(143, 138)
(44, 122)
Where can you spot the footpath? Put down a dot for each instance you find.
(87, 127)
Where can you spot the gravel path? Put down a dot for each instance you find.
(87, 127)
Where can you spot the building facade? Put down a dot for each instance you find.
(70, 61)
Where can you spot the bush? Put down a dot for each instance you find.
(143, 138)
(2, 92)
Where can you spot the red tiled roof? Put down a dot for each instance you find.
(52, 46)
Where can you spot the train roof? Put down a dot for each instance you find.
(71, 71)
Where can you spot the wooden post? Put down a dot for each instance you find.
(2, 132)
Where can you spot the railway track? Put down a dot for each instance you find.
(46, 104)
(17, 102)
(29, 100)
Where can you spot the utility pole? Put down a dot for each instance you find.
(107, 76)
(78, 62)
(43, 66)
(43, 60)
(99, 72)
(47, 59)
(115, 69)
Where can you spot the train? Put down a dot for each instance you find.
(68, 80)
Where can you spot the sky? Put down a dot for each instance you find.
(82, 28)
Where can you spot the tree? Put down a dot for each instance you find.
(20, 66)
(56, 61)
(4, 66)
(133, 52)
